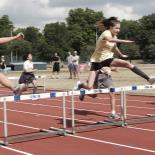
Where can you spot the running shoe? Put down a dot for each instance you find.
(152, 80)
(16, 91)
(81, 97)
(115, 116)
(79, 85)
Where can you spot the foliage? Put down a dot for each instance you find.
(78, 33)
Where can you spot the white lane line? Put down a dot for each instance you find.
(96, 111)
(20, 125)
(111, 143)
(52, 116)
(80, 120)
(104, 104)
(15, 150)
(91, 139)
(136, 128)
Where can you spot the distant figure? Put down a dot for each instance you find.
(75, 61)
(2, 64)
(70, 64)
(56, 65)
(27, 77)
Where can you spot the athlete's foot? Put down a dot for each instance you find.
(114, 116)
(79, 85)
(152, 80)
(81, 97)
(17, 91)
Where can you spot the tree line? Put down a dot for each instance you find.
(79, 32)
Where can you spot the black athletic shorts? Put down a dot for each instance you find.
(26, 78)
(98, 65)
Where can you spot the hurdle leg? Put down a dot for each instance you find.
(125, 108)
(122, 108)
(64, 114)
(44, 84)
(5, 123)
(73, 113)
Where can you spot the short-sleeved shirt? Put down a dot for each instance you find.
(75, 60)
(70, 59)
(28, 65)
(104, 48)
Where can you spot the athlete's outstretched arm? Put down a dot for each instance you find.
(8, 39)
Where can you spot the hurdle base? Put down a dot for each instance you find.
(42, 133)
(150, 115)
(96, 125)
(111, 122)
(65, 132)
(5, 143)
(142, 119)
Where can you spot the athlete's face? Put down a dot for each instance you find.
(30, 57)
(115, 29)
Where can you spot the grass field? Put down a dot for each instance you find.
(123, 77)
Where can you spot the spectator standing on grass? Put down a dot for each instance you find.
(3, 79)
(70, 64)
(75, 61)
(56, 65)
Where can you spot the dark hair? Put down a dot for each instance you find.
(26, 56)
(105, 24)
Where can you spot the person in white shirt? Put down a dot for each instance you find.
(70, 64)
(75, 61)
(27, 77)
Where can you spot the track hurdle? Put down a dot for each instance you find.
(44, 77)
(124, 120)
(42, 132)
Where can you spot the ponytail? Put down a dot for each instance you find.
(105, 24)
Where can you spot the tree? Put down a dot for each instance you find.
(57, 37)
(20, 48)
(82, 27)
(6, 26)
(132, 50)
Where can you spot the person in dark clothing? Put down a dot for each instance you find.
(56, 65)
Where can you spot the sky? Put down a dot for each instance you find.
(37, 13)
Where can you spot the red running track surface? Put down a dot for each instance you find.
(26, 117)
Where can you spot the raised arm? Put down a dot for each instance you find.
(8, 39)
(115, 40)
(118, 52)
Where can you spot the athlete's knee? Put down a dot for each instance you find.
(129, 65)
(89, 86)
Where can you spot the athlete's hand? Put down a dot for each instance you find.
(129, 41)
(20, 36)
(123, 56)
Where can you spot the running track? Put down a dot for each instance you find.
(32, 115)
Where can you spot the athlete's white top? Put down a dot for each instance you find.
(28, 65)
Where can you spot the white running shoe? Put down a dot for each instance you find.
(115, 116)
(78, 85)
